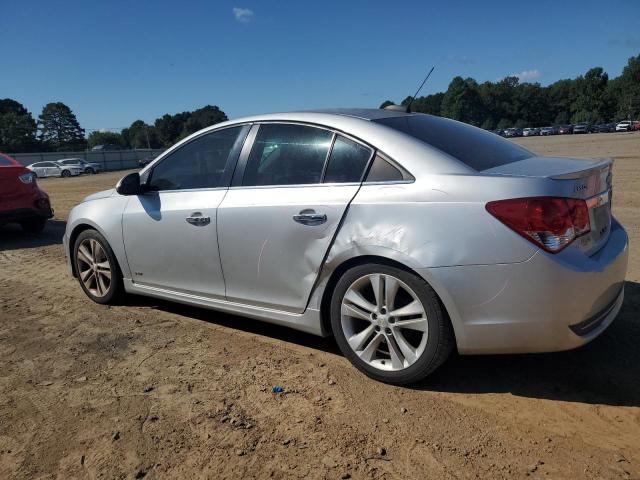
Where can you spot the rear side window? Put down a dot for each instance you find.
(476, 148)
(347, 162)
(285, 154)
(383, 171)
(198, 164)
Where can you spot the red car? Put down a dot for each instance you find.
(21, 200)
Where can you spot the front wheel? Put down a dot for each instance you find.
(389, 323)
(89, 171)
(97, 268)
(66, 173)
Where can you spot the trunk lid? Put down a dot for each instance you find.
(588, 179)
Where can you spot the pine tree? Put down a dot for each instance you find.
(59, 129)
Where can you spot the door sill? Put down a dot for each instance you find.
(309, 321)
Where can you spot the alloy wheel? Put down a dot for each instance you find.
(93, 267)
(384, 322)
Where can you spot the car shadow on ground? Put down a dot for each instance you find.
(606, 371)
(237, 322)
(12, 237)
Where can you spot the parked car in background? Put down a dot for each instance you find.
(52, 169)
(342, 214)
(21, 200)
(512, 132)
(603, 128)
(624, 126)
(530, 132)
(636, 125)
(87, 167)
(565, 129)
(108, 146)
(581, 128)
(545, 131)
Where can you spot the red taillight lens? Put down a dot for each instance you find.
(550, 222)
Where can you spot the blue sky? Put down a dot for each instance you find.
(116, 61)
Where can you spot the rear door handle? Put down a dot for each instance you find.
(310, 218)
(196, 218)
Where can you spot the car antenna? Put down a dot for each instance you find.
(408, 109)
(419, 88)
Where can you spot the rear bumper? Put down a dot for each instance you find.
(20, 214)
(547, 303)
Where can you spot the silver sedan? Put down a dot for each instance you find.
(403, 235)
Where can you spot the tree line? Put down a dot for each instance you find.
(57, 129)
(592, 97)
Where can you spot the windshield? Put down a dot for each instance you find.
(472, 146)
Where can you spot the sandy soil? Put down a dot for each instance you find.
(152, 389)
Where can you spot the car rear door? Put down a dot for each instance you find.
(291, 189)
(170, 231)
(38, 169)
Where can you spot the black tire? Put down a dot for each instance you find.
(33, 225)
(35, 175)
(440, 340)
(65, 173)
(90, 171)
(115, 291)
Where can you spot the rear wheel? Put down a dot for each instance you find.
(97, 268)
(66, 173)
(33, 225)
(389, 323)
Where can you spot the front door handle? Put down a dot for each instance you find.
(310, 218)
(196, 218)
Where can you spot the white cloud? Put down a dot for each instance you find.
(243, 15)
(527, 75)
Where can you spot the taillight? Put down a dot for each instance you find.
(28, 177)
(552, 223)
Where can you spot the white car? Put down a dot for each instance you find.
(52, 169)
(624, 126)
(85, 167)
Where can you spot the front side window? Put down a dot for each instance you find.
(347, 161)
(286, 154)
(198, 164)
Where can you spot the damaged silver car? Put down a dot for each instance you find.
(403, 235)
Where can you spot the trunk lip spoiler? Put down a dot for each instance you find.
(603, 164)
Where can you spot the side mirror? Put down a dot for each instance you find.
(129, 185)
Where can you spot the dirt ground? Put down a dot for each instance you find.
(153, 389)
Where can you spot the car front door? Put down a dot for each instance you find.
(170, 230)
(279, 218)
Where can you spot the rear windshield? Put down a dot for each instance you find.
(476, 148)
